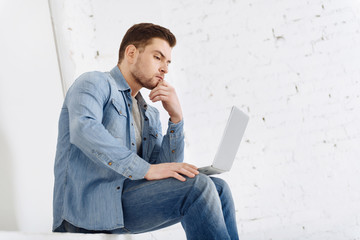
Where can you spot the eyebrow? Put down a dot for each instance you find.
(169, 61)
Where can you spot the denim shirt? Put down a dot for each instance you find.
(96, 150)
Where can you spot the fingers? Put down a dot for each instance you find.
(159, 85)
(160, 91)
(186, 170)
(175, 170)
(159, 95)
(160, 98)
(191, 169)
(163, 83)
(165, 93)
(191, 166)
(179, 177)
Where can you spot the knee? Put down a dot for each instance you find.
(221, 185)
(203, 183)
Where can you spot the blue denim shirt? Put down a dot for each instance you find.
(96, 150)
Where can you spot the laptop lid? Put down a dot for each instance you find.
(231, 139)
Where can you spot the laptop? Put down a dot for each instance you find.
(229, 144)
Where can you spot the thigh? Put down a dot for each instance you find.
(150, 205)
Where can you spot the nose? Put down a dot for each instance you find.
(164, 68)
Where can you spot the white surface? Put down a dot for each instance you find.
(30, 102)
(169, 233)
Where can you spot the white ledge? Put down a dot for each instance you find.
(174, 233)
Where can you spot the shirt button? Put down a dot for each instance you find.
(110, 163)
(156, 135)
(172, 131)
(144, 138)
(128, 104)
(118, 188)
(133, 144)
(130, 176)
(132, 124)
(173, 151)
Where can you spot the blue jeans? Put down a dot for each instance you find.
(203, 205)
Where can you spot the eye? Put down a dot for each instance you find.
(157, 57)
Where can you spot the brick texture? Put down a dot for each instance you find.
(293, 67)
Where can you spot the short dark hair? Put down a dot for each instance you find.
(140, 35)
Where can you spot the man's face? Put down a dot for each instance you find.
(152, 63)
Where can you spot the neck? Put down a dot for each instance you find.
(133, 84)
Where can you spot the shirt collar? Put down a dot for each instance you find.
(124, 86)
(141, 101)
(119, 79)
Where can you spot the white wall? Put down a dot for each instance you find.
(30, 102)
(292, 65)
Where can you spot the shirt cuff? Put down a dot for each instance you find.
(175, 130)
(137, 168)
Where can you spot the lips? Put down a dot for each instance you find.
(160, 77)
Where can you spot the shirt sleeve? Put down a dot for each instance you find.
(85, 102)
(171, 148)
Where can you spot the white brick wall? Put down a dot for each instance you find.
(291, 65)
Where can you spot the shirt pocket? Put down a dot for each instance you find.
(116, 120)
(119, 108)
(153, 138)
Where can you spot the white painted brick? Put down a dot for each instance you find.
(293, 67)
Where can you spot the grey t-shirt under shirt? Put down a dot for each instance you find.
(137, 124)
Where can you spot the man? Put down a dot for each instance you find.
(114, 171)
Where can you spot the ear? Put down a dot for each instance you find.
(130, 53)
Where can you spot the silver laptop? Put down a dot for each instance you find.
(229, 144)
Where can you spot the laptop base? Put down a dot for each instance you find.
(210, 170)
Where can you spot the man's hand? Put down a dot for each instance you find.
(165, 93)
(166, 170)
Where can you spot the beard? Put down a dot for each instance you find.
(146, 82)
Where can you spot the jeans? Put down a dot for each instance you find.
(203, 205)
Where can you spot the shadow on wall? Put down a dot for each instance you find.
(7, 200)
